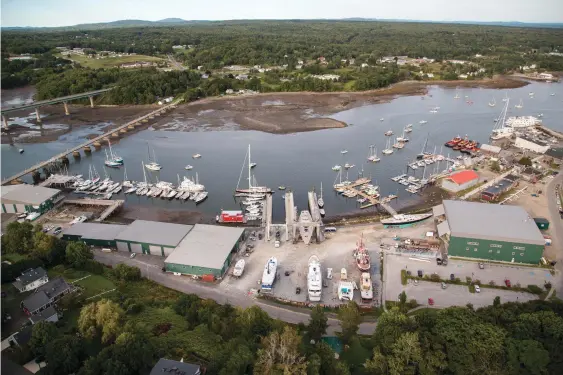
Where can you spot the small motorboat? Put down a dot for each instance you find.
(239, 268)
(381, 119)
(252, 165)
(188, 167)
(281, 187)
(389, 133)
(344, 151)
(196, 156)
(21, 150)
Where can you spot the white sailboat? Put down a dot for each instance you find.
(251, 189)
(373, 154)
(321, 201)
(456, 95)
(500, 129)
(505, 97)
(152, 164)
(519, 105)
(493, 103)
(388, 150)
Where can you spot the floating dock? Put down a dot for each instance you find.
(372, 201)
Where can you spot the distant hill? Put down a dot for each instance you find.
(180, 21)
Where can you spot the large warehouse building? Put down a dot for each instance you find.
(207, 250)
(488, 231)
(151, 237)
(94, 234)
(29, 198)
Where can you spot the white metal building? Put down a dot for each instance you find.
(28, 198)
(527, 143)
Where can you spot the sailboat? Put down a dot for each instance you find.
(456, 95)
(408, 128)
(505, 99)
(321, 201)
(95, 176)
(114, 157)
(423, 152)
(519, 105)
(373, 154)
(388, 150)
(152, 165)
(501, 130)
(110, 162)
(493, 103)
(251, 189)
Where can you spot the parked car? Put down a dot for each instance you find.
(415, 282)
(132, 255)
(57, 230)
(507, 283)
(444, 286)
(481, 265)
(452, 277)
(477, 289)
(420, 273)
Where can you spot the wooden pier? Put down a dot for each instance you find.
(112, 205)
(371, 199)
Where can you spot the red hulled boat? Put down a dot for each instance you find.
(362, 256)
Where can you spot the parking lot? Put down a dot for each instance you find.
(458, 295)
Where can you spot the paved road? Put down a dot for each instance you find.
(556, 228)
(186, 285)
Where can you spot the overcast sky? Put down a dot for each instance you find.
(72, 12)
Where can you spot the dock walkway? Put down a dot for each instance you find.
(372, 200)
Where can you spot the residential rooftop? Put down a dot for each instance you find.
(30, 276)
(206, 246)
(491, 222)
(171, 367)
(43, 315)
(154, 232)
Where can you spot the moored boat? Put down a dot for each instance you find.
(402, 219)
(269, 275)
(362, 256)
(366, 288)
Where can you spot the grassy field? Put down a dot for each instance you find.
(110, 62)
(13, 258)
(92, 284)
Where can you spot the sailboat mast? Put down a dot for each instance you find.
(249, 168)
(144, 172)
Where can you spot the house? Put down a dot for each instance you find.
(21, 338)
(299, 66)
(545, 76)
(45, 296)
(31, 279)
(300, 62)
(48, 315)
(179, 47)
(169, 366)
(204, 76)
(229, 91)
(430, 75)
(365, 65)
(326, 77)
(493, 193)
(490, 149)
(242, 77)
(322, 60)
(352, 61)
(527, 143)
(463, 76)
(460, 181)
(200, 67)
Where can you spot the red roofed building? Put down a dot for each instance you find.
(459, 181)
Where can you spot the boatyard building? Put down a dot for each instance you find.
(28, 198)
(206, 250)
(494, 192)
(94, 234)
(489, 232)
(460, 181)
(151, 237)
(527, 143)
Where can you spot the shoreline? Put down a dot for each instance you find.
(272, 112)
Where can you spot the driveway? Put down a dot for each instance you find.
(556, 228)
(151, 269)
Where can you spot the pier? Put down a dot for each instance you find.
(372, 201)
(86, 145)
(112, 205)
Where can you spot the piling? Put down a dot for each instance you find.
(76, 154)
(88, 150)
(123, 131)
(131, 127)
(115, 135)
(65, 160)
(145, 121)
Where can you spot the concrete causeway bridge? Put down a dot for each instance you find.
(62, 99)
(97, 141)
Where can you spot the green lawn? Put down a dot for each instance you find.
(13, 258)
(110, 62)
(69, 274)
(94, 285)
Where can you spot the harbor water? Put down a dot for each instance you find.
(301, 161)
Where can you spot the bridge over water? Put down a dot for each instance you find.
(63, 99)
(96, 141)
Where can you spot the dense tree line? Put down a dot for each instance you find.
(19, 73)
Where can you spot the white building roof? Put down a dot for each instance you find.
(206, 246)
(27, 194)
(154, 232)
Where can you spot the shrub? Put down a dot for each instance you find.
(492, 283)
(412, 304)
(535, 289)
(435, 277)
(403, 277)
(468, 279)
(124, 272)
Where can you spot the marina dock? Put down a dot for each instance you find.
(112, 205)
(372, 201)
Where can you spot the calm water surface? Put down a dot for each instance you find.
(302, 161)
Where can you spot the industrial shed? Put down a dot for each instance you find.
(488, 231)
(206, 250)
(151, 237)
(29, 198)
(460, 181)
(94, 234)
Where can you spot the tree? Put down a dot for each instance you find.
(124, 272)
(526, 357)
(18, 238)
(390, 326)
(496, 302)
(43, 244)
(317, 323)
(42, 334)
(65, 355)
(350, 319)
(280, 354)
(406, 355)
(254, 322)
(78, 254)
(526, 161)
(403, 298)
(495, 166)
(377, 365)
(102, 318)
